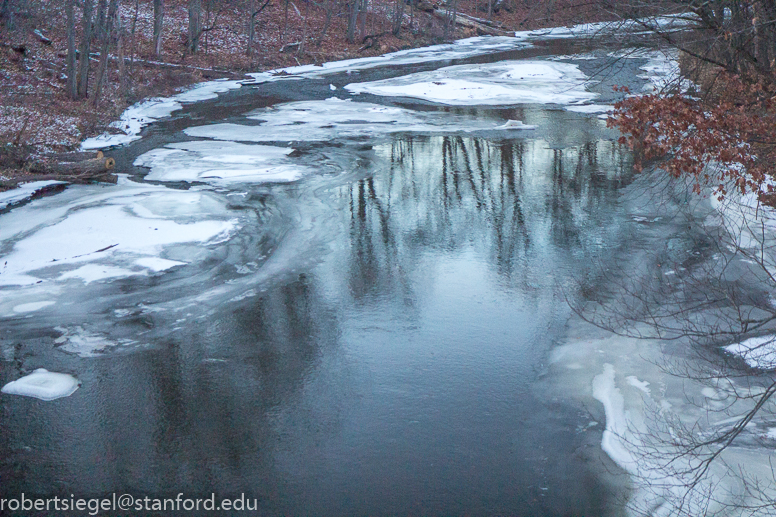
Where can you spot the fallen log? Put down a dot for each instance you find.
(73, 178)
(471, 24)
(76, 156)
(92, 166)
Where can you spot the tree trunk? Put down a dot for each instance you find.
(6, 14)
(72, 84)
(398, 17)
(251, 33)
(364, 12)
(107, 30)
(327, 21)
(86, 38)
(304, 29)
(158, 22)
(352, 19)
(123, 77)
(195, 24)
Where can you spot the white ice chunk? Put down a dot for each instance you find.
(32, 307)
(332, 87)
(758, 352)
(157, 264)
(636, 383)
(220, 162)
(515, 124)
(23, 191)
(502, 83)
(43, 384)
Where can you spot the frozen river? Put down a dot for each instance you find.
(337, 293)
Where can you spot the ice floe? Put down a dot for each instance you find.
(758, 352)
(43, 384)
(107, 233)
(24, 191)
(220, 162)
(502, 83)
(318, 121)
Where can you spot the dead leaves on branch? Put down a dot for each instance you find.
(722, 141)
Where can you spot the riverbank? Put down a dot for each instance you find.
(37, 117)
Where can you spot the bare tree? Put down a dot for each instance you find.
(254, 13)
(86, 38)
(354, 7)
(398, 17)
(72, 85)
(158, 25)
(106, 37)
(195, 25)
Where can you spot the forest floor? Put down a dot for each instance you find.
(37, 117)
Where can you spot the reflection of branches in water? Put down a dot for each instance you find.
(455, 192)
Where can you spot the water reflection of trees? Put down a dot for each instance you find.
(520, 202)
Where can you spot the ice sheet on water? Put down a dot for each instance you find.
(110, 231)
(468, 47)
(43, 384)
(32, 307)
(460, 49)
(84, 343)
(590, 108)
(24, 191)
(758, 352)
(315, 121)
(502, 83)
(220, 162)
